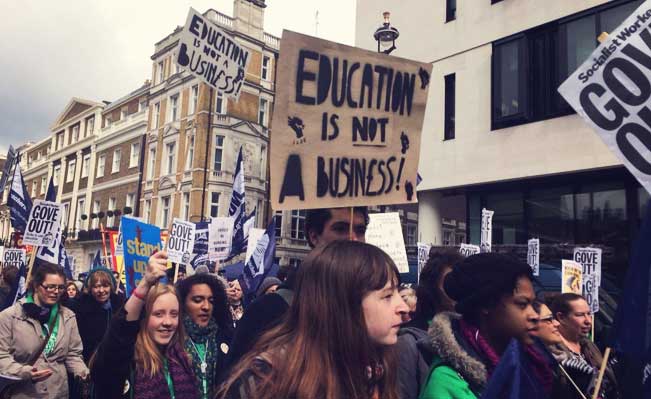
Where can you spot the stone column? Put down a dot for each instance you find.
(430, 229)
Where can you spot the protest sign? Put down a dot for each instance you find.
(212, 55)
(117, 252)
(255, 235)
(13, 257)
(43, 224)
(201, 232)
(611, 92)
(347, 126)
(571, 277)
(181, 242)
(220, 238)
(590, 259)
(486, 230)
(423, 255)
(590, 292)
(467, 250)
(141, 240)
(533, 255)
(385, 232)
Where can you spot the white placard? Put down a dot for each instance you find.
(212, 55)
(13, 257)
(220, 238)
(611, 91)
(43, 225)
(533, 255)
(486, 230)
(385, 232)
(590, 259)
(571, 277)
(254, 236)
(591, 292)
(423, 255)
(181, 241)
(119, 247)
(467, 250)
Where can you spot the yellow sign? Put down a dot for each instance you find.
(572, 277)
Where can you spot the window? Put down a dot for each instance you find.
(265, 68)
(508, 83)
(174, 107)
(70, 176)
(64, 216)
(152, 162)
(156, 115)
(107, 121)
(262, 114)
(135, 155)
(142, 105)
(165, 211)
(294, 262)
(75, 133)
(101, 164)
(219, 149)
(90, 126)
(81, 205)
(56, 175)
(411, 231)
(220, 104)
(450, 10)
(43, 184)
(110, 220)
(130, 201)
(170, 154)
(117, 158)
(96, 206)
(175, 66)
(34, 188)
(214, 204)
(448, 238)
(194, 98)
(188, 161)
(147, 210)
(59, 141)
(298, 224)
(160, 72)
(186, 206)
(85, 164)
(279, 224)
(450, 84)
(460, 239)
(124, 113)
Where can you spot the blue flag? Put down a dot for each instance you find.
(261, 262)
(97, 261)
(9, 164)
(632, 327)
(237, 208)
(19, 202)
(513, 377)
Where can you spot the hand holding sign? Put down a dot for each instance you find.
(156, 268)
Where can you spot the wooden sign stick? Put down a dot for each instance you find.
(602, 370)
(350, 226)
(31, 264)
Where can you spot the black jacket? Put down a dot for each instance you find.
(93, 320)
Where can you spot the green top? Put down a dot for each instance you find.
(445, 383)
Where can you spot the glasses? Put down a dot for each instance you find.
(53, 287)
(548, 319)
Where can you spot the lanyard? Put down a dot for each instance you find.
(53, 337)
(168, 377)
(204, 365)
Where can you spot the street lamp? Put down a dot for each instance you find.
(386, 35)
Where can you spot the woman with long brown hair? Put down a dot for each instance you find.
(142, 356)
(333, 342)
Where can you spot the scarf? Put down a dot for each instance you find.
(180, 370)
(46, 315)
(206, 336)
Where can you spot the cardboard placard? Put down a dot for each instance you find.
(212, 55)
(13, 257)
(220, 238)
(533, 255)
(181, 242)
(423, 255)
(590, 259)
(254, 236)
(571, 277)
(467, 250)
(43, 224)
(610, 91)
(141, 240)
(486, 243)
(385, 232)
(347, 126)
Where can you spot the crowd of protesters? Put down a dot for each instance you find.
(338, 326)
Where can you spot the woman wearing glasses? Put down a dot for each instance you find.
(39, 340)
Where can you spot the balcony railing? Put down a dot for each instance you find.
(271, 40)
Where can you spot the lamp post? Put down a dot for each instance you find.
(386, 35)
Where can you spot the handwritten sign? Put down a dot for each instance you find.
(181, 241)
(423, 255)
(533, 255)
(486, 230)
(43, 224)
(572, 277)
(611, 91)
(220, 238)
(141, 240)
(347, 126)
(467, 250)
(13, 257)
(385, 232)
(212, 55)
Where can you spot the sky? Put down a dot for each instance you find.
(100, 50)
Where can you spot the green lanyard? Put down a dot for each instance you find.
(201, 350)
(168, 377)
(53, 337)
(53, 323)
